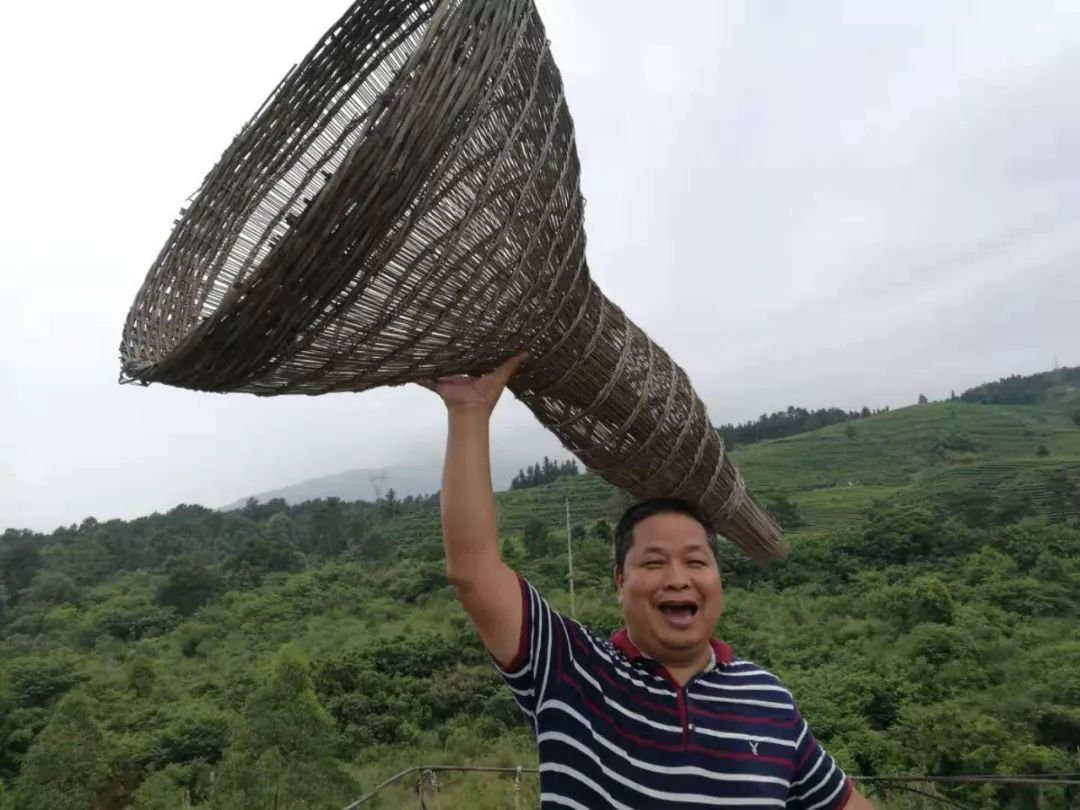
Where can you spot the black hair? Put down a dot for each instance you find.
(624, 530)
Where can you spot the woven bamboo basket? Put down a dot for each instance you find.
(405, 205)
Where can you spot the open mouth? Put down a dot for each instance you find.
(679, 614)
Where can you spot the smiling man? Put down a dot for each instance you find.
(660, 716)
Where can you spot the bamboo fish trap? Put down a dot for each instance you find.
(405, 205)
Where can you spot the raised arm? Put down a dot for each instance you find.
(488, 590)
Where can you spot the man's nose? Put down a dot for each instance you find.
(676, 577)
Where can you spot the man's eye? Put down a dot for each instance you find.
(697, 563)
(652, 563)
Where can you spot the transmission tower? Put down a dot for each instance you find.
(376, 482)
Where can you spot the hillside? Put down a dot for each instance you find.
(947, 454)
(927, 621)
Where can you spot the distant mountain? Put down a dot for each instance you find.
(354, 485)
(360, 485)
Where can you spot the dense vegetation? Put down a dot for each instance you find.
(785, 423)
(544, 472)
(1018, 390)
(791, 422)
(927, 620)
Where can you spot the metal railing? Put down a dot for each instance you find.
(427, 785)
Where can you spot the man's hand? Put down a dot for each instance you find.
(476, 392)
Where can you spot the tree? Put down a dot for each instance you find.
(53, 588)
(284, 752)
(389, 505)
(1065, 494)
(786, 423)
(274, 547)
(601, 530)
(1012, 504)
(164, 543)
(261, 511)
(374, 546)
(1017, 390)
(785, 512)
(282, 545)
(197, 733)
(896, 535)
(922, 399)
(83, 559)
(329, 538)
(129, 618)
(1076, 418)
(188, 586)
(20, 561)
(926, 599)
(175, 787)
(1042, 451)
(535, 538)
(36, 681)
(280, 531)
(67, 767)
(851, 432)
(544, 472)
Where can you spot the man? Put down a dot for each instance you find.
(662, 715)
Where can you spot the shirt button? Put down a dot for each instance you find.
(691, 726)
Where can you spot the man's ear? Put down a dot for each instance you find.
(617, 575)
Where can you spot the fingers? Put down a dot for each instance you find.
(433, 384)
(510, 367)
(501, 374)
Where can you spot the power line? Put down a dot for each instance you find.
(896, 782)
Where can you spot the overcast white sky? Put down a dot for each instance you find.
(816, 203)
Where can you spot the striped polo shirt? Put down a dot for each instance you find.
(615, 730)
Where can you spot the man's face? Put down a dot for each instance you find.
(669, 588)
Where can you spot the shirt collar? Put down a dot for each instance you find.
(720, 654)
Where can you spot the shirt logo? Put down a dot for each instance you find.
(753, 745)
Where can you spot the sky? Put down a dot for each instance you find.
(828, 203)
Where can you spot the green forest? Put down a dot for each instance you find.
(927, 620)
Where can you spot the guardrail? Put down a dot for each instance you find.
(1043, 788)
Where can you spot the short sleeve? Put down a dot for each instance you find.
(543, 635)
(818, 782)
